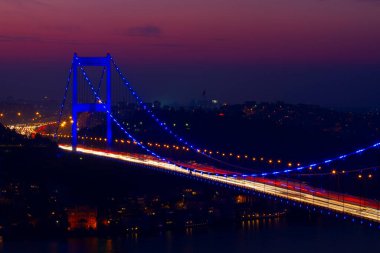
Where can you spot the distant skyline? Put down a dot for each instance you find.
(297, 51)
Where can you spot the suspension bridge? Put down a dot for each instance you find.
(90, 98)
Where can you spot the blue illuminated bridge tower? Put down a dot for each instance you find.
(77, 107)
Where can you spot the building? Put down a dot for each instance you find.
(82, 218)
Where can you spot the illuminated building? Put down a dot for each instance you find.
(82, 218)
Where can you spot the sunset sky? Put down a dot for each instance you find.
(311, 51)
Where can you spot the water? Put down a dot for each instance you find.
(315, 235)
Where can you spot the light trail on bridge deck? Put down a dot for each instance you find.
(364, 209)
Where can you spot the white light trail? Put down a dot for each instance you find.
(356, 210)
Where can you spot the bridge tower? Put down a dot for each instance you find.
(91, 107)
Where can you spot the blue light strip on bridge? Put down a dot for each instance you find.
(64, 100)
(324, 162)
(198, 150)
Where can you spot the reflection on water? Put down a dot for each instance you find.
(257, 224)
(109, 247)
(189, 231)
(256, 235)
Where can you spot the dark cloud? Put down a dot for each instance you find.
(144, 31)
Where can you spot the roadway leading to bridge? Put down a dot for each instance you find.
(364, 209)
(30, 128)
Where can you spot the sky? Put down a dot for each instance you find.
(323, 52)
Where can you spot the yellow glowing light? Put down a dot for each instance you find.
(360, 176)
(370, 176)
(290, 164)
(333, 172)
(19, 114)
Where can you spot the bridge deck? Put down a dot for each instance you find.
(345, 204)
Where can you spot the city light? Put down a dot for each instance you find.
(184, 148)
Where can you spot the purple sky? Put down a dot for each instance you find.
(311, 51)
